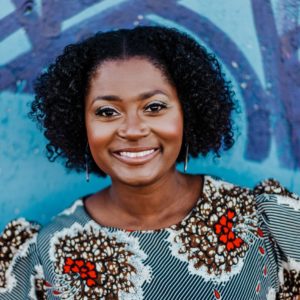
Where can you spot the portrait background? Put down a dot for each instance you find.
(256, 41)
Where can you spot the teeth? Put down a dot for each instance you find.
(137, 154)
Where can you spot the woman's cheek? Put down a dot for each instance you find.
(171, 128)
(99, 138)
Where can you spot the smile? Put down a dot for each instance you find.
(136, 157)
(137, 154)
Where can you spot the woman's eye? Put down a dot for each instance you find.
(155, 107)
(106, 112)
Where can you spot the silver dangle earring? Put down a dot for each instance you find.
(186, 157)
(86, 158)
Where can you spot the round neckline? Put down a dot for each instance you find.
(142, 231)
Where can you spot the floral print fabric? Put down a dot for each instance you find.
(15, 238)
(230, 246)
(216, 236)
(98, 264)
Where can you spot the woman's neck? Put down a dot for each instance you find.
(170, 197)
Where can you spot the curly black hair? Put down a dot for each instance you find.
(206, 97)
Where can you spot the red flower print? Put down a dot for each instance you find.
(56, 293)
(210, 239)
(260, 232)
(258, 287)
(265, 271)
(223, 228)
(86, 270)
(261, 250)
(217, 294)
(93, 263)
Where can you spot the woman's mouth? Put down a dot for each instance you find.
(135, 157)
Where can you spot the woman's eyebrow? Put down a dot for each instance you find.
(142, 96)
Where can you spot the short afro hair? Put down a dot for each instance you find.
(206, 97)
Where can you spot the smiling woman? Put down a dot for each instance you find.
(134, 121)
(130, 104)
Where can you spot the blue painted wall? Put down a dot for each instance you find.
(257, 42)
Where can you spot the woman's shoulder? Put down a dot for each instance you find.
(269, 202)
(270, 211)
(24, 245)
(16, 237)
(74, 213)
(275, 187)
(19, 233)
(17, 242)
(269, 186)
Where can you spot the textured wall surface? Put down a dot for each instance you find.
(257, 42)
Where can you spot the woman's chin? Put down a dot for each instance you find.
(136, 178)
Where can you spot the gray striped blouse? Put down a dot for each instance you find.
(236, 243)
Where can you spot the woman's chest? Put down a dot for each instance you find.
(178, 263)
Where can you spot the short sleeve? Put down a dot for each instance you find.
(21, 274)
(279, 212)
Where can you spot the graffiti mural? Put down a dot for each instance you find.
(34, 32)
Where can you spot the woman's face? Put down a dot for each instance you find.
(134, 121)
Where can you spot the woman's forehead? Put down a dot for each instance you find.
(132, 65)
(129, 76)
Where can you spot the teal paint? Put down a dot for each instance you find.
(6, 8)
(89, 13)
(13, 46)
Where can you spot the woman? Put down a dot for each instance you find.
(130, 104)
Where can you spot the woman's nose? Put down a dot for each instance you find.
(133, 127)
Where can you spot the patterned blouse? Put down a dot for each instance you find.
(235, 244)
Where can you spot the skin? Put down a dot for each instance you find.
(131, 104)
